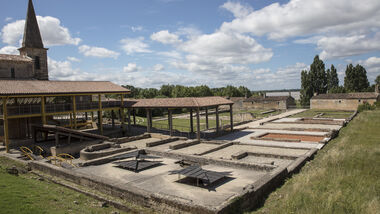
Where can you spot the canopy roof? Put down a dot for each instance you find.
(182, 102)
(39, 87)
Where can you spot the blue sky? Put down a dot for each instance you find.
(258, 44)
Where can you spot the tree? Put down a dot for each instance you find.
(306, 88)
(318, 77)
(356, 79)
(377, 80)
(332, 78)
(245, 91)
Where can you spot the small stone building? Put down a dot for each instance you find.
(269, 102)
(343, 101)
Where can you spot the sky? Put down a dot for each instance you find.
(263, 45)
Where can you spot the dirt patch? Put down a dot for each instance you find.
(311, 138)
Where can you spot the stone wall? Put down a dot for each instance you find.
(265, 105)
(42, 72)
(23, 70)
(339, 104)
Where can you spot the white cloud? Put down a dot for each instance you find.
(61, 70)
(73, 59)
(136, 28)
(131, 67)
(307, 17)
(9, 50)
(134, 45)
(165, 37)
(8, 19)
(171, 54)
(372, 65)
(158, 67)
(237, 9)
(97, 52)
(342, 46)
(52, 32)
(225, 48)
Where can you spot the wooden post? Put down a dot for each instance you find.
(43, 113)
(191, 121)
(56, 139)
(100, 114)
(74, 111)
(170, 121)
(5, 118)
(92, 116)
(71, 121)
(86, 116)
(113, 118)
(122, 116)
(198, 126)
(217, 118)
(134, 116)
(148, 121)
(206, 118)
(129, 121)
(231, 119)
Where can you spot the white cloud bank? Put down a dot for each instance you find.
(97, 52)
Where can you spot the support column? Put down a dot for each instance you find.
(134, 116)
(5, 118)
(92, 116)
(74, 111)
(122, 116)
(191, 121)
(100, 114)
(198, 126)
(170, 121)
(43, 113)
(86, 116)
(231, 119)
(206, 118)
(71, 121)
(113, 118)
(148, 121)
(129, 121)
(217, 118)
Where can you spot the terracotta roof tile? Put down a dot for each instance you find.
(19, 58)
(360, 95)
(38, 87)
(183, 102)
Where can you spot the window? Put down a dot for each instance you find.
(37, 62)
(359, 101)
(13, 74)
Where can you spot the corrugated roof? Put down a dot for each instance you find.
(19, 58)
(268, 98)
(360, 95)
(183, 102)
(38, 87)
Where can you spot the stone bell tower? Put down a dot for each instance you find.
(32, 45)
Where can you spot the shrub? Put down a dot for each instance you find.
(366, 106)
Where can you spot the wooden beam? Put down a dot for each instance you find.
(122, 116)
(206, 118)
(191, 121)
(198, 127)
(217, 118)
(148, 121)
(129, 121)
(71, 121)
(100, 114)
(43, 112)
(74, 111)
(170, 121)
(5, 118)
(231, 119)
(134, 116)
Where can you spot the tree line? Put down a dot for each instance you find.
(318, 80)
(173, 91)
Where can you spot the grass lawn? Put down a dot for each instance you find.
(326, 114)
(344, 177)
(26, 194)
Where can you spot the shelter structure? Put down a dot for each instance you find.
(343, 101)
(192, 103)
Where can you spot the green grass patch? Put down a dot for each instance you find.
(344, 177)
(26, 194)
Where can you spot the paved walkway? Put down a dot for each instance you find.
(256, 123)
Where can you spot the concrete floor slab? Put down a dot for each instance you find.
(197, 148)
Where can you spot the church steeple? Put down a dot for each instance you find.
(32, 35)
(33, 47)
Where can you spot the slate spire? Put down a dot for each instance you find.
(32, 35)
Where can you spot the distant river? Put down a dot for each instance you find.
(294, 94)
